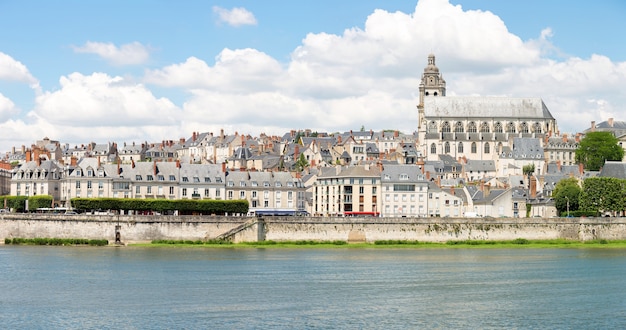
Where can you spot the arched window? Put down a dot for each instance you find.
(445, 127)
(458, 127)
(510, 127)
(487, 149)
(523, 127)
(460, 147)
(499, 146)
(471, 127)
(433, 149)
(446, 147)
(484, 127)
(497, 128)
(432, 127)
(473, 147)
(537, 128)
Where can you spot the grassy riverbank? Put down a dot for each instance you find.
(517, 243)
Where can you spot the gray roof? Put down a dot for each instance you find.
(480, 165)
(613, 169)
(486, 107)
(409, 173)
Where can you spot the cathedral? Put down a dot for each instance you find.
(479, 128)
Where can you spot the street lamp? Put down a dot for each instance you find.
(567, 198)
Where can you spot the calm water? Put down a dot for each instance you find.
(173, 288)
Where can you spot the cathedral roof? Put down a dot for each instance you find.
(487, 107)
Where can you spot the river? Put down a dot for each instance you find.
(315, 288)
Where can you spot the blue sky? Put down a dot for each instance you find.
(122, 71)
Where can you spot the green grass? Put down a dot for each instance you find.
(517, 243)
(55, 241)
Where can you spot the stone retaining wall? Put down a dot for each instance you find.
(239, 229)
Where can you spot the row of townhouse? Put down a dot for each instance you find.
(425, 189)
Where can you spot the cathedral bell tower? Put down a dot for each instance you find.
(432, 85)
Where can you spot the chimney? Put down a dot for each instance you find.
(452, 191)
(223, 167)
(99, 164)
(243, 141)
(396, 134)
(610, 122)
(178, 163)
(38, 160)
(222, 133)
(118, 164)
(564, 137)
(193, 137)
(339, 139)
(577, 137)
(487, 190)
(296, 152)
(558, 165)
(428, 176)
(533, 187)
(29, 156)
(581, 168)
(154, 168)
(593, 125)
(293, 133)
(73, 161)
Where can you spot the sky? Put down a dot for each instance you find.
(151, 70)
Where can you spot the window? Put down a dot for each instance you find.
(206, 192)
(460, 147)
(446, 147)
(184, 191)
(230, 194)
(171, 190)
(523, 127)
(242, 183)
(77, 185)
(89, 172)
(473, 147)
(458, 127)
(510, 127)
(149, 190)
(137, 189)
(432, 128)
(255, 184)
(445, 127)
(242, 194)
(196, 179)
(161, 177)
(433, 149)
(100, 185)
(497, 128)
(487, 149)
(471, 127)
(150, 177)
(207, 179)
(185, 179)
(138, 177)
(484, 127)
(230, 184)
(172, 178)
(88, 184)
(537, 128)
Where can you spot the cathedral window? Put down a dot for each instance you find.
(537, 128)
(432, 127)
(473, 147)
(487, 149)
(433, 149)
(484, 127)
(523, 127)
(510, 127)
(446, 147)
(445, 128)
(458, 127)
(460, 147)
(471, 127)
(497, 128)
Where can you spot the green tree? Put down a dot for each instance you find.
(301, 163)
(602, 194)
(567, 191)
(528, 169)
(596, 148)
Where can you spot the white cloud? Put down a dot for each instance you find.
(12, 70)
(7, 108)
(235, 17)
(127, 54)
(367, 76)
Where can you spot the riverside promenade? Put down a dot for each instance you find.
(140, 228)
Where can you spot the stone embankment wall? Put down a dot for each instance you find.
(133, 229)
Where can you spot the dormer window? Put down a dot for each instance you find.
(185, 179)
(230, 184)
(172, 178)
(150, 177)
(207, 179)
(138, 177)
(161, 177)
(196, 179)
(404, 176)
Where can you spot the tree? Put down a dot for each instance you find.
(602, 194)
(596, 148)
(301, 163)
(567, 191)
(528, 169)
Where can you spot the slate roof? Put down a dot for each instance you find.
(486, 107)
(613, 169)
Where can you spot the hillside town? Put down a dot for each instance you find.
(467, 158)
